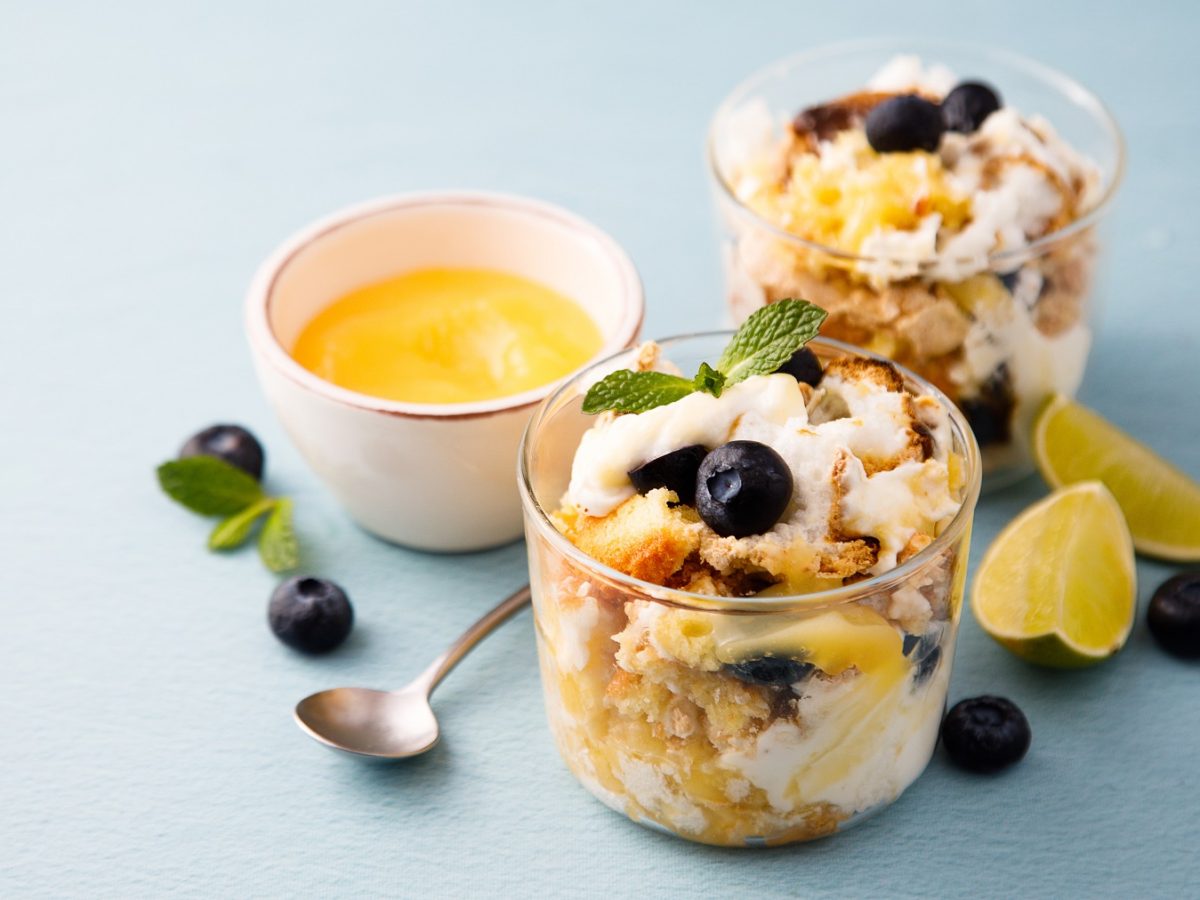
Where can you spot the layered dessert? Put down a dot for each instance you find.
(934, 221)
(749, 640)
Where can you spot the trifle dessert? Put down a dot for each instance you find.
(944, 218)
(747, 583)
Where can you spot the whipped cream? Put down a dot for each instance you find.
(906, 73)
(833, 462)
(1017, 175)
(599, 475)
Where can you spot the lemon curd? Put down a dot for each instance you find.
(448, 336)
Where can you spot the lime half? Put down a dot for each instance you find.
(1057, 587)
(1161, 503)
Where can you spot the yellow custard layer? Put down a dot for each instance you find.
(448, 336)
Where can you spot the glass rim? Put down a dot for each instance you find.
(1001, 260)
(960, 523)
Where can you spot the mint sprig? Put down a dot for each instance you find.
(277, 544)
(208, 486)
(232, 532)
(627, 391)
(709, 380)
(212, 487)
(765, 342)
(769, 337)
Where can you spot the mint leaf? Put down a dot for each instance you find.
(209, 486)
(633, 392)
(765, 342)
(769, 337)
(709, 380)
(277, 544)
(232, 532)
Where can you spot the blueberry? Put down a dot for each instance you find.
(771, 670)
(742, 488)
(928, 665)
(1010, 279)
(965, 107)
(310, 614)
(925, 653)
(1174, 615)
(986, 734)
(675, 470)
(911, 643)
(804, 367)
(907, 122)
(989, 413)
(232, 443)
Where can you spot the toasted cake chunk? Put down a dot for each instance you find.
(644, 537)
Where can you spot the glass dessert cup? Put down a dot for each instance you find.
(999, 340)
(704, 748)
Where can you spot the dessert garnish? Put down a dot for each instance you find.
(310, 614)
(742, 488)
(676, 471)
(214, 486)
(1174, 615)
(904, 123)
(986, 734)
(1161, 503)
(910, 122)
(804, 367)
(1058, 585)
(232, 443)
(766, 341)
(966, 107)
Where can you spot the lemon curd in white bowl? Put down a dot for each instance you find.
(445, 335)
(402, 462)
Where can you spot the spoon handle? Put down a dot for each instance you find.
(441, 666)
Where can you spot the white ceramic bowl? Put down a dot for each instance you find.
(430, 476)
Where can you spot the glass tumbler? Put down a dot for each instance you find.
(998, 341)
(653, 728)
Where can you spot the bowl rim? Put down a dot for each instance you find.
(260, 293)
(958, 526)
(1002, 260)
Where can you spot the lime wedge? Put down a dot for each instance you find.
(1161, 503)
(1057, 587)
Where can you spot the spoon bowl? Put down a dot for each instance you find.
(394, 724)
(381, 724)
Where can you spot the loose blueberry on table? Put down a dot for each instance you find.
(310, 614)
(1174, 615)
(986, 734)
(231, 443)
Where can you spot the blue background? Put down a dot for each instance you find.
(151, 154)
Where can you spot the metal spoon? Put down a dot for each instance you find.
(394, 724)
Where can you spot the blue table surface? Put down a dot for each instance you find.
(153, 153)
